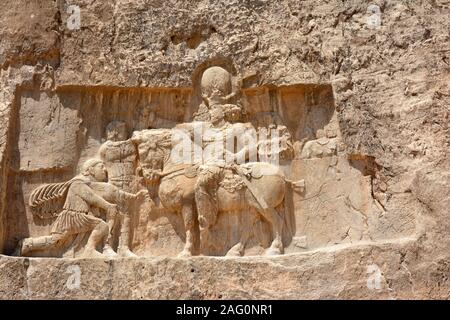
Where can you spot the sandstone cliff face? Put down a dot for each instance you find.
(390, 92)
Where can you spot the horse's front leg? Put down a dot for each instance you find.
(187, 212)
(244, 228)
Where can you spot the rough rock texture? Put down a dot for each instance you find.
(334, 273)
(391, 92)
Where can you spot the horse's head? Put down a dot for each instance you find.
(154, 147)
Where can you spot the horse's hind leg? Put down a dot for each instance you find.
(187, 212)
(276, 221)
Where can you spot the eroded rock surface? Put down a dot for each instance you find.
(360, 99)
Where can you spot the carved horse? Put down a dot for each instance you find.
(177, 183)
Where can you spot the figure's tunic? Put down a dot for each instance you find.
(83, 200)
(76, 216)
(120, 159)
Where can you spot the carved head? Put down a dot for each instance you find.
(216, 84)
(154, 147)
(149, 172)
(116, 131)
(217, 115)
(95, 168)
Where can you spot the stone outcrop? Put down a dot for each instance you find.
(360, 98)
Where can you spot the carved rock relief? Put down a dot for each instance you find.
(147, 206)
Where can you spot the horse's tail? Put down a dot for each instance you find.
(297, 186)
(289, 225)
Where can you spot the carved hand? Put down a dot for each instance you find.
(112, 210)
(142, 194)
